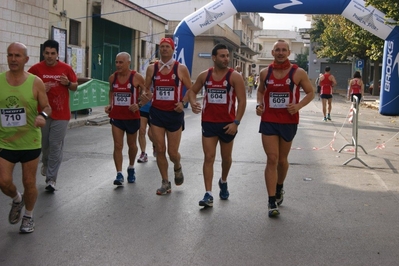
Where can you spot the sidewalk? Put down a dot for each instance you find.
(96, 117)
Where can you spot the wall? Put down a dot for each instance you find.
(23, 21)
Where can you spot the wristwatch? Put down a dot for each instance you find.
(69, 84)
(44, 115)
(237, 122)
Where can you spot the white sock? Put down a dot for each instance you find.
(28, 213)
(131, 167)
(209, 192)
(17, 198)
(223, 182)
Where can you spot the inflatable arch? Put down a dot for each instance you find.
(368, 18)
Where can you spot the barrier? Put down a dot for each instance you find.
(367, 17)
(355, 120)
(90, 94)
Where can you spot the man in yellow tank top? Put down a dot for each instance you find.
(20, 136)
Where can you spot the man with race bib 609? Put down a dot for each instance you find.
(278, 105)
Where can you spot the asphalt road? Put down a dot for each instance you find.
(333, 214)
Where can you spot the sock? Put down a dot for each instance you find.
(209, 192)
(131, 167)
(272, 200)
(17, 198)
(223, 182)
(279, 188)
(28, 213)
(119, 172)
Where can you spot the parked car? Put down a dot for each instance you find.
(370, 86)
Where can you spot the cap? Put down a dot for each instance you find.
(168, 40)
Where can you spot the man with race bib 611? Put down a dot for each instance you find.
(167, 77)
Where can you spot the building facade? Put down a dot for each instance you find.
(90, 32)
(237, 33)
(298, 43)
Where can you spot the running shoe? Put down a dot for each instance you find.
(143, 158)
(273, 210)
(325, 119)
(328, 117)
(224, 192)
(179, 177)
(15, 212)
(119, 180)
(207, 201)
(131, 177)
(165, 188)
(50, 186)
(280, 198)
(43, 170)
(27, 225)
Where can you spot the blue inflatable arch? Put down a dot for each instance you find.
(356, 11)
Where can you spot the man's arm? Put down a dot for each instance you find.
(239, 86)
(334, 82)
(184, 76)
(148, 76)
(302, 80)
(261, 91)
(109, 106)
(195, 88)
(145, 94)
(71, 80)
(40, 91)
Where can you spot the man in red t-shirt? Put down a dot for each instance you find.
(58, 79)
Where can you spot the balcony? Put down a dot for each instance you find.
(247, 44)
(222, 32)
(252, 20)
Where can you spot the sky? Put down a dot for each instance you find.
(284, 21)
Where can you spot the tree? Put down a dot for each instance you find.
(389, 7)
(302, 61)
(341, 40)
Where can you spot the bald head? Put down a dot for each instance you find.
(18, 46)
(124, 55)
(281, 43)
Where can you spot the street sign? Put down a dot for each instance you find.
(204, 55)
(360, 63)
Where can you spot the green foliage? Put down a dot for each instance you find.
(340, 40)
(302, 61)
(389, 7)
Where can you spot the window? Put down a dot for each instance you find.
(74, 29)
(143, 48)
(157, 55)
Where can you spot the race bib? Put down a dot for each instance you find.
(279, 99)
(216, 96)
(122, 98)
(165, 93)
(13, 117)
